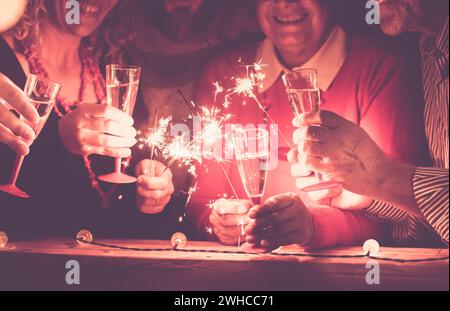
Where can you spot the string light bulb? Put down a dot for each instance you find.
(178, 240)
(84, 236)
(371, 247)
(3, 239)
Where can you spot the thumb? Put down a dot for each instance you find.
(146, 167)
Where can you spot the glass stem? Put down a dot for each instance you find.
(256, 200)
(118, 165)
(319, 177)
(16, 169)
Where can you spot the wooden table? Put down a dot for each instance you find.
(41, 265)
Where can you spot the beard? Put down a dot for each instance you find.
(181, 24)
(398, 16)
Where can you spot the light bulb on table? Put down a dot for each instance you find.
(371, 248)
(178, 240)
(84, 236)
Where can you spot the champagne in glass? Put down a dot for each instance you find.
(304, 96)
(251, 147)
(42, 95)
(122, 84)
(304, 100)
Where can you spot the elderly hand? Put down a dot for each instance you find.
(16, 133)
(98, 129)
(154, 186)
(281, 220)
(227, 219)
(336, 197)
(339, 150)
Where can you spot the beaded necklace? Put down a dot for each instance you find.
(90, 73)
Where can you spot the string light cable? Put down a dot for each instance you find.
(179, 242)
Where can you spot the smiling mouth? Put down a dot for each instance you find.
(290, 19)
(88, 8)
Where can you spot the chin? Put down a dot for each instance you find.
(397, 20)
(291, 44)
(395, 26)
(82, 31)
(391, 30)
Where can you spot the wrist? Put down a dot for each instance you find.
(396, 186)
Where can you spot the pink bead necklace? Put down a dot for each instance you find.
(90, 73)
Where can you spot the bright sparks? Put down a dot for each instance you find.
(157, 139)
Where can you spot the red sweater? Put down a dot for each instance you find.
(375, 88)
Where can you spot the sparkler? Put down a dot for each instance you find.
(245, 86)
(157, 139)
(212, 48)
(248, 86)
(219, 89)
(213, 122)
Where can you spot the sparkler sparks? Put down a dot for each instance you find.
(247, 86)
(157, 139)
(219, 89)
(213, 121)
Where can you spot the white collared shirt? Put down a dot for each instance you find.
(328, 60)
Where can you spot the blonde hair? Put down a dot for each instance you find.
(108, 42)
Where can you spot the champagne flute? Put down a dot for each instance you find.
(42, 95)
(251, 147)
(304, 95)
(122, 84)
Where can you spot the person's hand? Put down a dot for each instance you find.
(281, 220)
(16, 133)
(227, 219)
(339, 150)
(336, 196)
(98, 129)
(154, 186)
(11, 12)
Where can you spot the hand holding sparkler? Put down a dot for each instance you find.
(154, 186)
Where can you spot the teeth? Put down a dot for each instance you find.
(90, 9)
(290, 19)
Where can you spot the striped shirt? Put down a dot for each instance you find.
(430, 185)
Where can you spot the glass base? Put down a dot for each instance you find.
(118, 178)
(321, 186)
(14, 191)
(251, 248)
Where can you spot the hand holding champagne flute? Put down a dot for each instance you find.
(122, 83)
(251, 147)
(304, 95)
(42, 95)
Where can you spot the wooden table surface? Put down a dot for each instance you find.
(41, 265)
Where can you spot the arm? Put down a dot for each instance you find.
(391, 130)
(352, 227)
(285, 220)
(426, 194)
(368, 160)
